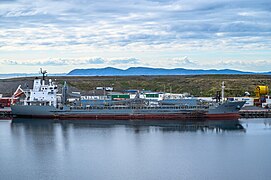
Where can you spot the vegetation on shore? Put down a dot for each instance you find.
(197, 85)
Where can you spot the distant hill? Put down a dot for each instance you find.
(134, 71)
(197, 85)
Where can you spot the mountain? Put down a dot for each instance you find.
(98, 72)
(136, 71)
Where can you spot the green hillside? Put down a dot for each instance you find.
(199, 85)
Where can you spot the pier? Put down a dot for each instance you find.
(5, 113)
(255, 113)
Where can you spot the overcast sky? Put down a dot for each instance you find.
(60, 35)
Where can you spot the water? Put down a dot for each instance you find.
(135, 150)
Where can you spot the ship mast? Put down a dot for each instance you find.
(64, 93)
(43, 72)
(223, 91)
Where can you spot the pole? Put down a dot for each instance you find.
(223, 91)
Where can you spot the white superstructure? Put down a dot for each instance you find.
(42, 94)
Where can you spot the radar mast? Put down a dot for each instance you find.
(43, 72)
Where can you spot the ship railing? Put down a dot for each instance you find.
(186, 107)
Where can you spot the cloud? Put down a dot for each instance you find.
(257, 65)
(59, 62)
(93, 61)
(64, 62)
(59, 24)
(183, 62)
(74, 29)
(254, 66)
(131, 61)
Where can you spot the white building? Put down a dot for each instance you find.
(249, 100)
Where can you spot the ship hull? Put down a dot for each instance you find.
(50, 112)
(222, 116)
(232, 116)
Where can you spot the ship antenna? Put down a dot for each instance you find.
(43, 72)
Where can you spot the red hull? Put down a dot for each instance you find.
(223, 116)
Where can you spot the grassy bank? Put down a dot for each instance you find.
(199, 85)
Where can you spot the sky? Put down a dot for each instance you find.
(61, 35)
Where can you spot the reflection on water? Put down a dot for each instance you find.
(49, 149)
(137, 125)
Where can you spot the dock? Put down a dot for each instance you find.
(5, 113)
(255, 112)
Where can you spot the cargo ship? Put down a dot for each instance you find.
(42, 102)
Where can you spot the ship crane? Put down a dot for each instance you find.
(261, 93)
(220, 95)
(261, 90)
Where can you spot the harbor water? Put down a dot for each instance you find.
(135, 150)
